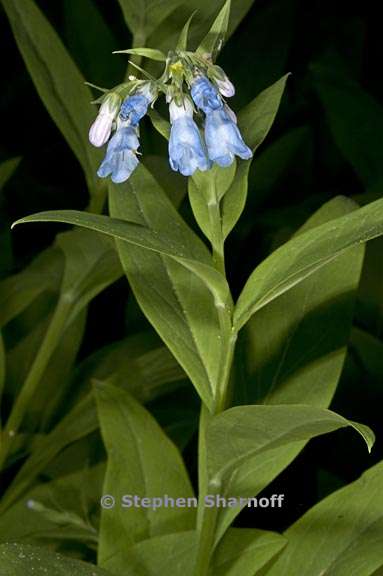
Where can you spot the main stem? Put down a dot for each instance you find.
(207, 517)
(48, 345)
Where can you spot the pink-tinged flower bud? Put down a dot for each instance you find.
(225, 86)
(101, 128)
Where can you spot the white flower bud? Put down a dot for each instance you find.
(101, 128)
(225, 87)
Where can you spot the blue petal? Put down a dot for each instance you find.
(134, 108)
(186, 150)
(126, 163)
(205, 95)
(223, 139)
(120, 159)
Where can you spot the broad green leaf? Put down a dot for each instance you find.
(212, 44)
(57, 80)
(169, 284)
(255, 121)
(133, 469)
(244, 551)
(287, 361)
(176, 303)
(339, 536)
(304, 255)
(241, 433)
(21, 559)
(355, 119)
(144, 237)
(146, 52)
(7, 168)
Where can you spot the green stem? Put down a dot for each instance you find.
(207, 517)
(48, 346)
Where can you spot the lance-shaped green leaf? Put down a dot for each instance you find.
(240, 433)
(342, 534)
(304, 255)
(256, 119)
(150, 53)
(213, 41)
(20, 559)
(182, 295)
(245, 551)
(57, 80)
(139, 236)
(133, 469)
(255, 122)
(182, 42)
(284, 361)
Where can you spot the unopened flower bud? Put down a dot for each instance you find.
(225, 86)
(101, 128)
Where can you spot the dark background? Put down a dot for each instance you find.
(326, 141)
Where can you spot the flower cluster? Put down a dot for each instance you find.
(190, 85)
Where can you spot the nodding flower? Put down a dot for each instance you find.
(121, 158)
(101, 128)
(205, 95)
(135, 107)
(223, 138)
(187, 152)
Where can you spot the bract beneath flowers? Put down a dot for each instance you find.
(191, 84)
